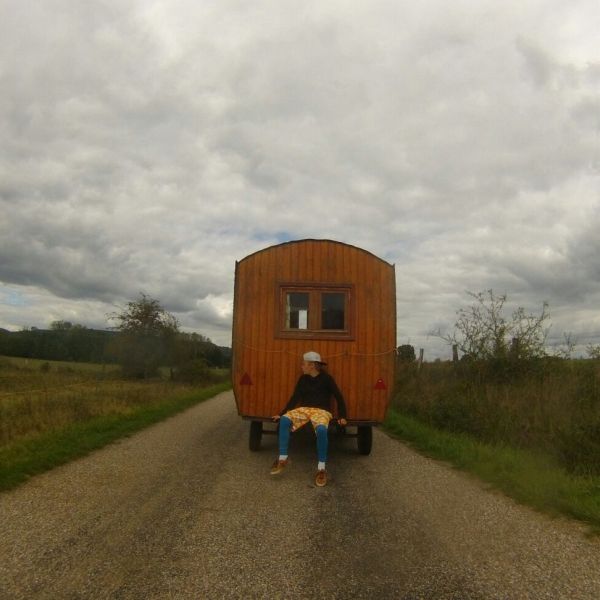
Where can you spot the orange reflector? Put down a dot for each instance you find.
(380, 385)
(245, 380)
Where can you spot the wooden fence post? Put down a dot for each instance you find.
(455, 354)
(515, 347)
(421, 351)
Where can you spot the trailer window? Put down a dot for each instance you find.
(332, 310)
(315, 311)
(296, 310)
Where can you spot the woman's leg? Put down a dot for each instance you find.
(321, 431)
(285, 424)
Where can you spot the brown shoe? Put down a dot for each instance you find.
(279, 465)
(321, 478)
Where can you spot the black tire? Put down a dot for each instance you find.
(256, 429)
(365, 439)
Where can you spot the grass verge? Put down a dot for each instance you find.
(24, 458)
(71, 366)
(531, 478)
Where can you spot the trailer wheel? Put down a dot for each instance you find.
(256, 429)
(365, 439)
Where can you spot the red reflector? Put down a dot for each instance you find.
(245, 380)
(380, 385)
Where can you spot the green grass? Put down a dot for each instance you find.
(26, 457)
(548, 405)
(81, 367)
(532, 478)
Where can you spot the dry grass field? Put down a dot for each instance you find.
(38, 396)
(51, 412)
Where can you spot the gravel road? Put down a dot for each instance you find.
(185, 510)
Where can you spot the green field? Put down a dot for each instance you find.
(33, 363)
(52, 412)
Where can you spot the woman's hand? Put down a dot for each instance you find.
(276, 418)
(342, 422)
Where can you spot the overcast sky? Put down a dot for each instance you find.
(147, 145)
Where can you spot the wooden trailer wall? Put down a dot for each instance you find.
(266, 363)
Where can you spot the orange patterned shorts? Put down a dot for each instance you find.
(301, 416)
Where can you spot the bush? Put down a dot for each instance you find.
(454, 409)
(579, 448)
(546, 403)
(406, 353)
(195, 372)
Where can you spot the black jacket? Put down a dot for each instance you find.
(316, 392)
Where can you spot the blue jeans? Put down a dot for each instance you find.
(285, 425)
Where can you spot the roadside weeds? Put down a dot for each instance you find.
(531, 478)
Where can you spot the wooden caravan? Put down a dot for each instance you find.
(321, 295)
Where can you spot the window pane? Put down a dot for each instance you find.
(296, 310)
(332, 315)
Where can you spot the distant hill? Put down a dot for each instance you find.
(78, 343)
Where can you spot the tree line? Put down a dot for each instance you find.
(144, 338)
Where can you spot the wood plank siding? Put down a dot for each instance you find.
(267, 355)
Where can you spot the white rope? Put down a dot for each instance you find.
(268, 351)
(393, 350)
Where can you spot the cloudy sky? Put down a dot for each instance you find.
(146, 145)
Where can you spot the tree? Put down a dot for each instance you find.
(593, 351)
(194, 347)
(61, 325)
(146, 340)
(567, 347)
(482, 331)
(406, 353)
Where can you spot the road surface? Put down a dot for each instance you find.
(185, 510)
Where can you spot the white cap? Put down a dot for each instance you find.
(313, 357)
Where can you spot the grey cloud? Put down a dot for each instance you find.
(146, 147)
(584, 254)
(538, 63)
